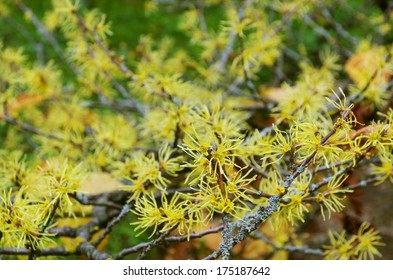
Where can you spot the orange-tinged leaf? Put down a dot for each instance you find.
(25, 100)
(275, 94)
(362, 65)
(365, 131)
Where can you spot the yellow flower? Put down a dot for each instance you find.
(148, 212)
(368, 239)
(358, 246)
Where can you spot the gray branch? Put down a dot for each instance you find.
(236, 232)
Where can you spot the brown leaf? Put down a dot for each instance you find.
(365, 131)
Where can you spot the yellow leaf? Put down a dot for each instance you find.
(99, 183)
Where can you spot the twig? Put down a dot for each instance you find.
(356, 95)
(364, 183)
(231, 40)
(153, 244)
(46, 35)
(200, 7)
(97, 200)
(55, 206)
(170, 239)
(63, 231)
(324, 33)
(328, 167)
(289, 248)
(122, 67)
(247, 80)
(303, 165)
(109, 227)
(28, 127)
(235, 232)
(254, 167)
(339, 28)
(91, 252)
(28, 36)
(57, 251)
(112, 56)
